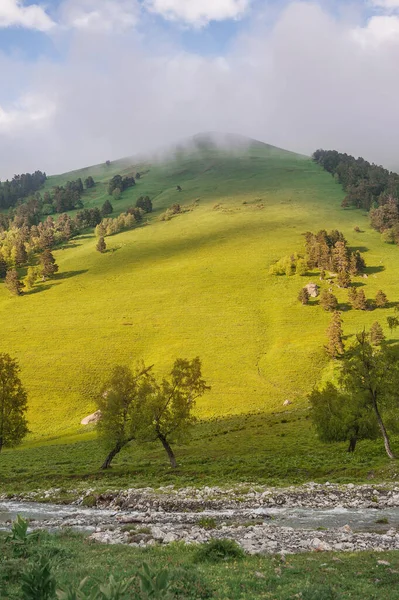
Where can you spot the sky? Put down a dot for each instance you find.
(84, 81)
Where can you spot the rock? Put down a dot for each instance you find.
(383, 562)
(345, 529)
(319, 545)
(93, 418)
(157, 533)
(169, 537)
(287, 402)
(312, 289)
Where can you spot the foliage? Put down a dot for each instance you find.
(48, 265)
(340, 417)
(21, 186)
(218, 550)
(13, 403)
(19, 537)
(154, 584)
(38, 581)
(207, 523)
(381, 300)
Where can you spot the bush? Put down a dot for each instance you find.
(217, 550)
(38, 582)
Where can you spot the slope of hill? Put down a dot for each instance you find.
(198, 284)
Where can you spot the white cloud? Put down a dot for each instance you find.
(100, 15)
(379, 30)
(14, 14)
(198, 12)
(28, 111)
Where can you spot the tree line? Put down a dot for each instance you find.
(20, 187)
(367, 186)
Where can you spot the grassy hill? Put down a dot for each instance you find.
(198, 284)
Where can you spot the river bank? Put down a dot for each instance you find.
(318, 517)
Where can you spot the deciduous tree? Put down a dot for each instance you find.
(13, 403)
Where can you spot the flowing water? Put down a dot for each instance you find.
(359, 519)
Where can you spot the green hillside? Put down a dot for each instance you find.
(198, 284)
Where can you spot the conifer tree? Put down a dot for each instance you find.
(3, 268)
(303, 296)
(335, 346)
(352, 295)
(101, 245)
(49, 266)
(343, 279)
(360, 303)
(381, 300)
(393, 323)
(12, 283)
(376, 334)
(328, 301)
(107, 208)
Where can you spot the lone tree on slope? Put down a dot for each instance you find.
(13, 284)
(101, 246)
(13, 404)
(335, 346)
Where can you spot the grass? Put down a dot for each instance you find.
(316, 576)
(256, 449)
(196, 285)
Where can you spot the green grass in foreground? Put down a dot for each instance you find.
(279, 449)
(317, 576)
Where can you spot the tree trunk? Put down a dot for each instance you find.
(168, 450)
(107, 463)
(383, 430)
(1, 443)
(352, 443)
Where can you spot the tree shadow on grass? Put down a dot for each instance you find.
(361, 249)
(40, 287)
(357, 284)
(371, 270)
(68, 274)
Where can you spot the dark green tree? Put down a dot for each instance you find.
(352, 295)
(381, 301)
(13, 284)
(106, 208)
(328, 301)
(335, 346)
(48, 264)
(3, 268)
(376, 334)
(341, 417)
(89, 182)
(13, 404)
(303, 296)
(101, 246)
(144, 203)
(21, 255)
(393, 323)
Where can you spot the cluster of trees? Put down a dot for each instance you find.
(357, 299)
(361, 405)
(20, 187)
(135, 406)
(326, 251)
(120, 183)
(330, 251)
(122, 222)
(62, 199)
(144, 202)
(366, 184)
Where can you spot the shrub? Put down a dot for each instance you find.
(217, 550)
(38, 582)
